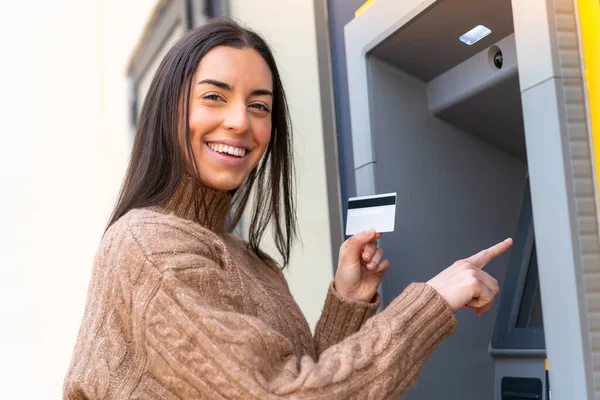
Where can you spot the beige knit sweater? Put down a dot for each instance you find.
(179, 309)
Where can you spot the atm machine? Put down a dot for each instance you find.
(518, 344)
(484, 137)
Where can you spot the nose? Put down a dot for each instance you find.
(236, 119)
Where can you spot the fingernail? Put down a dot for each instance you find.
(367, 257)
(509, 240)
(370, 266)
(370, 232)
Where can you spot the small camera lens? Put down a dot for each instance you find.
(498, 59)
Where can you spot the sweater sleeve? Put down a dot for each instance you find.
(341, 317)
(200, 343)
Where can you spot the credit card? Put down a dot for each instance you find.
(376, 211)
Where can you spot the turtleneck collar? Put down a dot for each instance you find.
(213, 204)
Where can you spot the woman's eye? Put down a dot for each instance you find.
(212, 96)
(261, 107)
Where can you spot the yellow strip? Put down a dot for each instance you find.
(363, 7)
(589, 19)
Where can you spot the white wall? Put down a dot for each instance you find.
(289, 28)
(65, 143)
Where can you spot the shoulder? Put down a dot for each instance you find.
(159, 237)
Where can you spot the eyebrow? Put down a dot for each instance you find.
(225, 86)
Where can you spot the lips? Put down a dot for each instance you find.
(231, 156)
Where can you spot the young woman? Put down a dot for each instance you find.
(178, 308)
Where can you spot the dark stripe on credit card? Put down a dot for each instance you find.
(376, 202)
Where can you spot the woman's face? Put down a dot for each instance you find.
(230, 115)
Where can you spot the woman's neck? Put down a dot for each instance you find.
(199, 203)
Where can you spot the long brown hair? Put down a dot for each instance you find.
(157, 163)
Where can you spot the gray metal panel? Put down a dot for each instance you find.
(472, 75)
(494, 115)
(483, 100)
(373, 26)
(535, 44)
(340, 13)
(329, 132)
(555, 219)
(426, 55)
(582, 182)
(365, 180)
(583, 185)
(562, 184)
(456, 195)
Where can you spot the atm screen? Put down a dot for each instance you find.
(519, 323)
(530, 309)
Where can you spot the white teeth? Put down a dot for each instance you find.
(223, 148)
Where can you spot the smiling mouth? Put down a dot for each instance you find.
(228, 150)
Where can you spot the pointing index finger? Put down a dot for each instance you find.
(482, 258)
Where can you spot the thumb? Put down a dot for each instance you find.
(350, 250)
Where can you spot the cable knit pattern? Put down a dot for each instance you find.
(179, 309)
